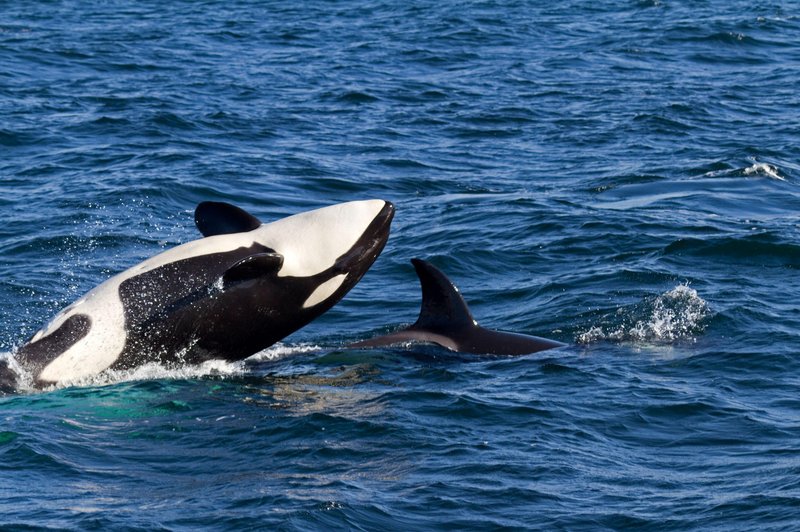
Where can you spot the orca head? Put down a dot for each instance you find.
(333, 245)
(327, 249)
(303, 265)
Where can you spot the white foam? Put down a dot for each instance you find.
(279, 351)
(158, 371)
(155, 371)
(674, 315)
(24, 378)
(763, 169)
(756, 169)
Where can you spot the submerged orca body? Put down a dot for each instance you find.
(445, 319)
(240, 289)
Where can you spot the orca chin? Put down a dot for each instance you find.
(229, 295)
(445, 320)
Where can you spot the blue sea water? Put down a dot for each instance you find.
(621, 176)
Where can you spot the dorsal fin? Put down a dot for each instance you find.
(218, 218)
(442, 304)
(446, 320)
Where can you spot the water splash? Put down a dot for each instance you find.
(756, 169)
(9, 373)
(763, 169)
(158, 371)
(155, 371)
(279, 351)
(678, 314)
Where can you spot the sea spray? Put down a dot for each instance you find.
(158, 371)
(679, 314)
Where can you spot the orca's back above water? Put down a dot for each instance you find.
(445, 320)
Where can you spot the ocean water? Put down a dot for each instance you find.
(621, 176)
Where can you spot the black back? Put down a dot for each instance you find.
(445, 319)
(443, 307)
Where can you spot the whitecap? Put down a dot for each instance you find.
(676, 315)
(756, 169)
(763, 169)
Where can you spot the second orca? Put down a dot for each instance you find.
(445, 320)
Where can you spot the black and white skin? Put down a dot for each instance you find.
(237, 291)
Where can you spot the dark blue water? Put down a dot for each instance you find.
(621, 176)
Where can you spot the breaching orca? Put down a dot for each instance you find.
(240, 289)
(445, 319)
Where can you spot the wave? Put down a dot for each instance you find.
(766, 249)
(677, 315)
(156, 371)
(759, 191)
(763, 169)
(757, 169)
(149, 371)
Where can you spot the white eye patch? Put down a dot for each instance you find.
(324, 291)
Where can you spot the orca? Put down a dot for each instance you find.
(229, 295)
(445, 319)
